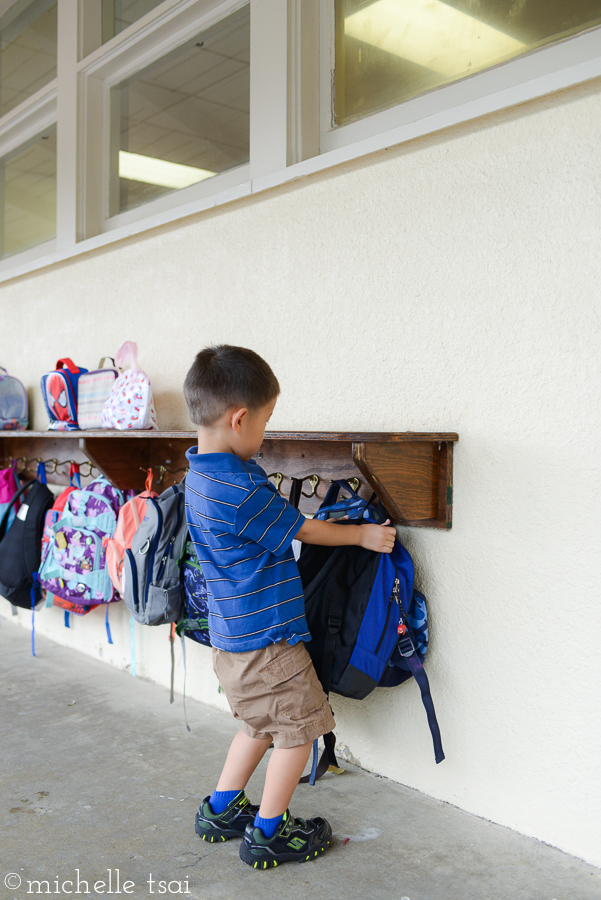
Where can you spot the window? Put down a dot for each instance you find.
(388, 51)
(185, 118)
(117, 116)
(27, 51)
(28, 186)
(120, 14)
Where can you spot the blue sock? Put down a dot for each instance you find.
(268, 826)
(220, 800)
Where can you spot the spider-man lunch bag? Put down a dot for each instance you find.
(59, 390)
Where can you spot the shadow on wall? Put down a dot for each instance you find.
(172, 412)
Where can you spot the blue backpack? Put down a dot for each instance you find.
(369, 626)
(195, 621)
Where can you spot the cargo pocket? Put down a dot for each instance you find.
(292, 681)
(163, 604)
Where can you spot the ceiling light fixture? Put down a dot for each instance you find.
(149, 170)
(431, 34)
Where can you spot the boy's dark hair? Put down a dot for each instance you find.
(222, 377)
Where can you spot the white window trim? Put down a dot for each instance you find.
(285, 117)
(533, 74)
(123, 56)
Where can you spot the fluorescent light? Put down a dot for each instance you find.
(431, 34)
(135, 167)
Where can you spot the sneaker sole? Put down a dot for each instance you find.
(269, 862)
(215, 835)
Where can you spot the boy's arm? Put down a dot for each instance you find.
(337, 533)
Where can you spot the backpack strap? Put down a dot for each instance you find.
(295, 492)
(407, 650)
(172, 647)
(35, 590)
(183, 639)
(13, 500)
(132, 644)
(334, 609)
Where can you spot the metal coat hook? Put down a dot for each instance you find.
(278, 477)
(314, 481)
(163, 470)
(52, 465)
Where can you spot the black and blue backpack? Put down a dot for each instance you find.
(195, 621)
(368, 624)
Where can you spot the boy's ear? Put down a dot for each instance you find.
(236, 419)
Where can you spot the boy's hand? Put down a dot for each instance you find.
(340, 532)
(378, 537)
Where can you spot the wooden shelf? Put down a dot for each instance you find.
(411, 472)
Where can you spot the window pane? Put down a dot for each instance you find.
(184, 119)
(28, 192)
(119, 14)
(390, 50)
(27, 51)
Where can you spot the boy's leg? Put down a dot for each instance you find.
(283, 773)
(227, 812)
(243, 757)
(277, 836)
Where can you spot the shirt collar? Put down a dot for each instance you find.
(219, 462)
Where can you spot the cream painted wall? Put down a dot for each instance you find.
(451, 284)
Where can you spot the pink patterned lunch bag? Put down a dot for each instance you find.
(92, 393)
(129, 405)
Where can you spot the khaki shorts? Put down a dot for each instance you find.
(275, 692)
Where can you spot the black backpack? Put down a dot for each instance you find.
(368, 625)
(21, 544)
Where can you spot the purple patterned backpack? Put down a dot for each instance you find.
(74, 565)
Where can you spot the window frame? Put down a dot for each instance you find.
(533, 74)
(104, 69)
(291, 134)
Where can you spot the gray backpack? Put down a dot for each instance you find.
(153, 574)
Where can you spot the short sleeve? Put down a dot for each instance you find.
(268, 519)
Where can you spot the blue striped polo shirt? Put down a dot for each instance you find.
(243, 530)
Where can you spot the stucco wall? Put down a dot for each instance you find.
(451, 284)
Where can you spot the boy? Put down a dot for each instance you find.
(243, 530)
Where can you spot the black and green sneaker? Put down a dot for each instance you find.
(228, 824)
(295, 840)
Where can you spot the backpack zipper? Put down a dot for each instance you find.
(393, 596)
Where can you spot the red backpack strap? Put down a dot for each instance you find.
(67, 363)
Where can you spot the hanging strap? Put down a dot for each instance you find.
(409, 654)
(149, 477)
(41, 474)
(35, 587)
(327, 759)
(67, 618)
(108, 627)
(334, 608)
(172, 643)
(127, 354)
(295, 492)
(132, 645)
(14, 499)
(74, 476)
(184, 698)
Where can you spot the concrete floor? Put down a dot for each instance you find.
(101, 780)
